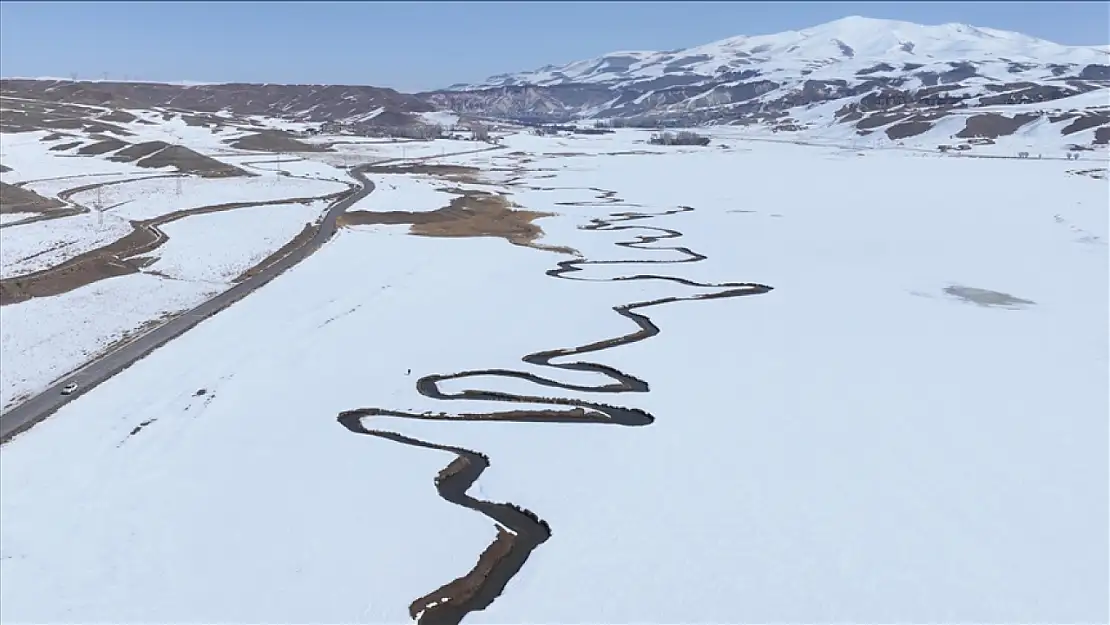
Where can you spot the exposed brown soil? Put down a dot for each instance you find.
(136, 151)
(313, 102)
(119, 117)
(157, 154)
(121, 257)
(908, 129)
(471, 214)
(913, 126)
(102, 147)
(275, 141)
(202, 121)
(62, 147)
(1085, 122)
(993, 125)
(15, 199)
(190, 162)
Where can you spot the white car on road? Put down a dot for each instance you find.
(69, 388)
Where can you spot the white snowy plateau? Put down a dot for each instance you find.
(889, 403)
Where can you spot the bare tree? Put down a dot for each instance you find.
(479, 131)
(683, 137)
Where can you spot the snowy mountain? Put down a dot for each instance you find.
(868, 65)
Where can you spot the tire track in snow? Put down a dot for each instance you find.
(520, 531)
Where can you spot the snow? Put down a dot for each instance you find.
(150, 198)
(43, 244)
(218, 247)
(43, 339)
(31, 159)
(51, 187)
(835, 49)
(296, 167)
(7, 218)
(398, 149)
(401, 192)
(855, 445)
(176, 131)
(443, 118)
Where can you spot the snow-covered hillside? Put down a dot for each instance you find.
(831, 50)
(872, 74)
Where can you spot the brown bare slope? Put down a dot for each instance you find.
(15, 199)
(155, 154)
(103, 146)
(993, 125)
(309, 102)
(275, 141)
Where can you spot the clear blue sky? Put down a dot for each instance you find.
(414, 46)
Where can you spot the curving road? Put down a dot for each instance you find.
(26, 414)
(519, 531)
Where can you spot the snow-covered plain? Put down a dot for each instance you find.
(150, 198)
(856, 445)
(7, 218)
(402, 192)
(30, 247)
(43, 339)
(217, 247)
(46, 338)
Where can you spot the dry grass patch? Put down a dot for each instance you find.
(471, 214)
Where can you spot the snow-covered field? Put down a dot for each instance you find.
(857, 445)
(40, 245)
(45, 338)
(7, 218)
(401, 192)
(217, 247)
(150, 198)
(30, 158)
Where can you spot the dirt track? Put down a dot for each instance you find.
(509, 551)
(121, 257)
(33, 410)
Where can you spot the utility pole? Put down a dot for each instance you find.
(99, 209)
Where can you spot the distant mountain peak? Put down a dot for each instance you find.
(856, 75)
(857, 40)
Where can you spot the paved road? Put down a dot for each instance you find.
(38, 407)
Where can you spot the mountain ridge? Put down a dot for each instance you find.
(894, 78)
(854, 39)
